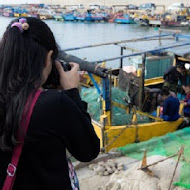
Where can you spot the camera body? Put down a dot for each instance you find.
(53, 78)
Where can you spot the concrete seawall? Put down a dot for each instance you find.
(114, 2)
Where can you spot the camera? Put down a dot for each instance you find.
(53, 78)
(66, 66)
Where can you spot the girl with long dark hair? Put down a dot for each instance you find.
(59, 120)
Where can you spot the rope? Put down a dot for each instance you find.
(116, 137)
(147, 95)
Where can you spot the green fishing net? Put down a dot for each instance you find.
(166, 145)
(119, 115)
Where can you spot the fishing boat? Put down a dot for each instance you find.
(20, 12)
(91, 16)
(2, 9)
(69, 16)
(24, 14)
(58, 17)
(142, 22)
(8, 12)
(16, 15)
(124, 19)
(33, 12)
(45, 14)
(173, 23)
(88, 16)
(173, 20)
(80, 17)
(149, 73)
(35, 15)
(98, 16)
(106, 16)
(147, 21)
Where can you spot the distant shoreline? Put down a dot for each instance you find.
(86, 3)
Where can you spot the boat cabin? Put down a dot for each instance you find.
(147, 66)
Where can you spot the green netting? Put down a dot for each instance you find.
(119, 115)
(91, 96)
(155, 67)
(166, 145)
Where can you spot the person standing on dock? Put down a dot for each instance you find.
(39, 123)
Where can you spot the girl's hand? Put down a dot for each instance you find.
(185, 103)
(81, 75)
(69, 79)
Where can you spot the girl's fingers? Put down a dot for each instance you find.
(59, 68)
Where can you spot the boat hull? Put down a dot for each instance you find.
(69, 17)
(8, 14)
(16, 15)
(44, 17)
(33, 15)
(89, 19)
(132, 133)
(173, 24)
(80, 18)
(23, 15)
(142, 22)
(58, 17)
(124, 21)
(97, 18)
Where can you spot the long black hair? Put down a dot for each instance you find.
(22, 58)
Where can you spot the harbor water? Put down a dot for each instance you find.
(74, 34)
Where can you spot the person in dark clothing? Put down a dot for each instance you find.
(184, 81)
(170, 107)
(173, 75)
(59, 120)
(160, 99)
(186, 101)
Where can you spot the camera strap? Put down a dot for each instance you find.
(11, 169)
